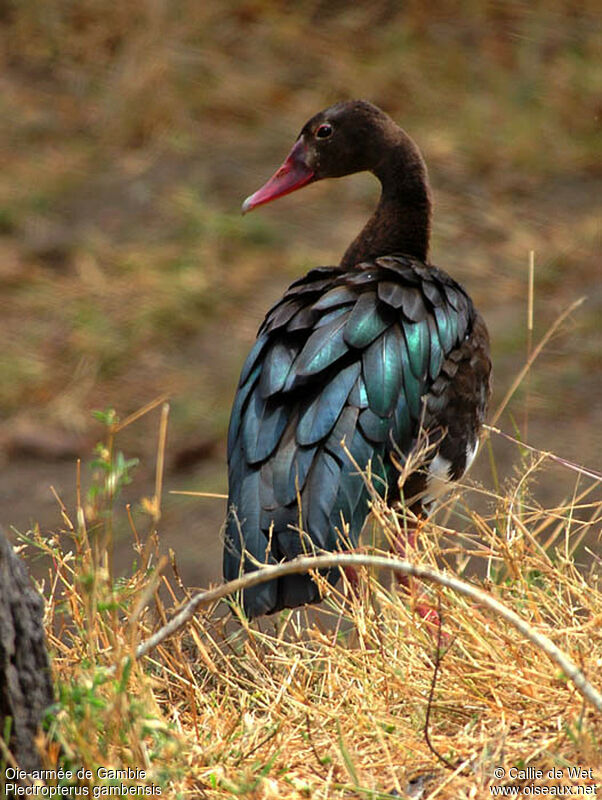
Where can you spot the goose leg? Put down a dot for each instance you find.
(403, 546)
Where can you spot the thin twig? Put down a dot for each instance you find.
(160, 462)
(546, 338)
(312, 745)
(309, 563)
(429, 706)
(530, 298)
(256, 747)
(589, 473)
(199, 494)
(119, 426)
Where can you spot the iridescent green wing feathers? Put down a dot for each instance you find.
(334, 382)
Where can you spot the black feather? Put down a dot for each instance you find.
(338, 296)
(253, 356)
(303, 319)
(323, 485)
(262, 426)
(382, 370)
(366, 321)
(447, 329)
(432, 293)
(417, 341)
(291, 463)
(375, 428)
(413, 388)
(358, 395)
(320, 415)
(325, 346)
(436, 351)
(276, 366)
(283, 312)
(391, 293)
(237, 409)
(413, 304)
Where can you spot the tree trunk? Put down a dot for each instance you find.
(25, 680)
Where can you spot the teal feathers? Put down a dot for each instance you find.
(334, 383)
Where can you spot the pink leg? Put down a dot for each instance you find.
(351, 575)
(400, 546)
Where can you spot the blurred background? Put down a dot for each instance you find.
(133, 131)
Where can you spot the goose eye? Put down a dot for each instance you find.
(324, 131)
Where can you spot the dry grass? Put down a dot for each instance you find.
(331, 704)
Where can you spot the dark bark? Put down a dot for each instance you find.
(25, 679)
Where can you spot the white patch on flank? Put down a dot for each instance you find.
(470, 455)
(437, 481)
(440, 467)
